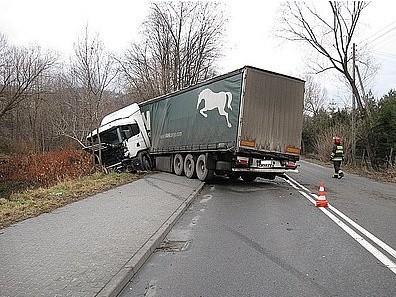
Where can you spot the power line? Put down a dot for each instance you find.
(382, 43)
(378, 31)
(382, 35)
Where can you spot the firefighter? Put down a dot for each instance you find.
(337, 156)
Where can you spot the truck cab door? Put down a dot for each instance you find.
(132, 139)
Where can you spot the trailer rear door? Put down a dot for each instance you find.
(272, 107)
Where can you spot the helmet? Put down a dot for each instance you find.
(337, 140)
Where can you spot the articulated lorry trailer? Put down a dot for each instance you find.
(246, 123)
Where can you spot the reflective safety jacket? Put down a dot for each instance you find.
(337, 153)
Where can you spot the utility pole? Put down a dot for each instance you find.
(353, 149)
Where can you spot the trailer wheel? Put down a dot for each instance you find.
(189, 166)
(248, 177)
(178, 164)
(203, 172)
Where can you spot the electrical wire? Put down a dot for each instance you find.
(382, 35)
(385, 42)
(367, 39)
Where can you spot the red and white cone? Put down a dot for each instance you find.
(321, 201)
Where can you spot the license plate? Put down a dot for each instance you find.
(264, 163)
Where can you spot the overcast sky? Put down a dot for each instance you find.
(56, 25)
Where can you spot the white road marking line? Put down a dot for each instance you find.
(308, 197)
(372, 237)
(290, 183)
(378, 241)
(369, 247)
(299, 185)
(302, 187)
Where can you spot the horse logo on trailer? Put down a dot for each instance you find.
(215, 100)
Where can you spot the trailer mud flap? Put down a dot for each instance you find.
(164, 163)
(223, 166)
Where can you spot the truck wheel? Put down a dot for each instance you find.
(178, 164)
(189, 166)
(146, 162)
(248, 177)
(203, 172)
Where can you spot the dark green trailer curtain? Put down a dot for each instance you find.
(197, 118)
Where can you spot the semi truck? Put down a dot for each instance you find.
(243, 124)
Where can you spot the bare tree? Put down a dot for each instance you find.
(20, 68)
(331, 35)
(84, 86)
(314, 96)
(92, 70)
(181, 42)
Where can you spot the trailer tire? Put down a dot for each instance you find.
(178, 164)
(189, 166)
(248, 177)
(203, 173)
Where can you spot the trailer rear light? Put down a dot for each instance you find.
(291, 164)
(242, 161)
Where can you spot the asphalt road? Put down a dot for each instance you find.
(267, 238)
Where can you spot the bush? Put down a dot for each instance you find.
(46, 169)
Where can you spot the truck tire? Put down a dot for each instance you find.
(178, 164)
(203, 173)
(146, 162)
(189, 166)
(248, 177)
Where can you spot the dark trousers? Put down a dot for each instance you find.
(337, 165)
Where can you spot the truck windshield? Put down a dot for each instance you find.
(109, 137)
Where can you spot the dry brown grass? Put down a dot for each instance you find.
(388, 175)
(30, 203)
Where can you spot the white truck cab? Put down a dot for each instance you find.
(124, 141)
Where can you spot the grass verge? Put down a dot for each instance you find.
(30, 203)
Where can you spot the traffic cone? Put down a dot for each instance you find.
(321, 201)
